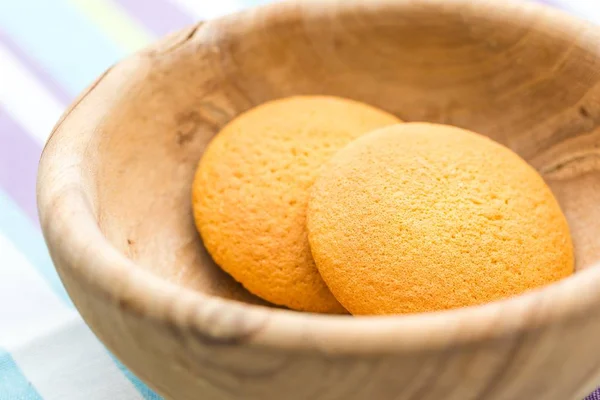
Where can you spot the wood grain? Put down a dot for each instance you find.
(114, 200)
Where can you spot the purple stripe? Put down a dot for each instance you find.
(19, 155)
(594, 396)
(160, 16)
(53, 87)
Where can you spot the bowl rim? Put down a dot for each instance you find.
(73, 235)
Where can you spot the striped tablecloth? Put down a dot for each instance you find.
(49, 51)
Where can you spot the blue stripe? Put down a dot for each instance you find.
(13, 384)
(30, 242)
(83, 53)
(144, 390)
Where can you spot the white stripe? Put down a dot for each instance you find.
(49, 342)
(25, 98)
(204, 10)
(28, 307)
(71, 364)
(586, 9)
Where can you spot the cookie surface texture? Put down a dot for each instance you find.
(421, 217)
(251, 190)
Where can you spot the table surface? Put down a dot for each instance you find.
(49, 51)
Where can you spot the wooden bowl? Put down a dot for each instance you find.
(114, 199)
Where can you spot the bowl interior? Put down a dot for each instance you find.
(518, 75)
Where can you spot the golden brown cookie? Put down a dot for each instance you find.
(251, 190)
(421, 217)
